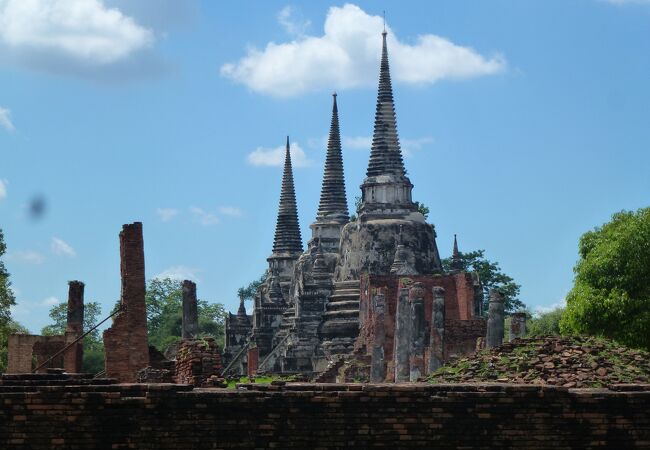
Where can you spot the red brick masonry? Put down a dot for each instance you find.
(319, 416)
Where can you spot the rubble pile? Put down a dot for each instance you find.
(562, 361)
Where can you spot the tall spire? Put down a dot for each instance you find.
(287, 231)
(332, 196)
(385, 155)
(456, 263)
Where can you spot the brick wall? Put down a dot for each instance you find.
(322, 417)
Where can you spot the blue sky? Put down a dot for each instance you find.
(524, 124)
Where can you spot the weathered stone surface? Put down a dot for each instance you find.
(51, 413)
(190, 323)
(517, 325)
(418, 329)
(496, 319)
(437, 335)
(198, 361)
(125, 342)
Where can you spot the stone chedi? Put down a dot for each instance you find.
(372, 288)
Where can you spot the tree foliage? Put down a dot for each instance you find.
(248, 292)
(423, 209)
(491, 277)
(6, 329)
(7, 299)
(165, 314)
(611, 293)
(545, 323)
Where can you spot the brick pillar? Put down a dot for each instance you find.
(190, 327)
(378, 363)
(125, 343)
(416, 349)
(437, 335)
(402, 337)
(253, 361)
(73, 357)
(495, 325)
(517, 325)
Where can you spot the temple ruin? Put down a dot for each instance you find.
(370, 289)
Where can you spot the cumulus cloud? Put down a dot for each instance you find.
(62, 248)
(166, 214)
(347, 56)
(274, 157)
(291, 21)
(82, 36)
(411, 145)
(3, 189)
(230, 211)
(356, 142)
(204, 217)
(5, 119)
(179, 273)
(26, 256)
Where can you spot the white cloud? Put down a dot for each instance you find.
(545, 309)
(50, 301)
(204, 217)
(26, 256)
(82, 30)
(230, 211)
(3, 189)
(179, 273)
(61, 247)
(347, 56)
(5, 117)
(356, 142)
(274, 157)
(166, 214)
(411, 145)
(295, 26)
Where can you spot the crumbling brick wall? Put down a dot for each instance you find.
(322, 416)
(197, 360)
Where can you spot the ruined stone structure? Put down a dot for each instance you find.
(126, 348)
(364, 288)
(26, 352)
(190, 323)
(61, 412)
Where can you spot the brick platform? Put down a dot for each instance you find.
(53, 412)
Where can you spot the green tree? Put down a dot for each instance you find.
(5, 330)
(611, 292)
(423, 209)
(248, 292)
(491, 277)
(165, 314)
(545, 323)
(7, 299)
(93, 359)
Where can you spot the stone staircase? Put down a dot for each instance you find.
(341, 318)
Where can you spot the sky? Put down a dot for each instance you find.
(524, 124)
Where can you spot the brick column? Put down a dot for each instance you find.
(190, 327)
(253, 361)
(416, 349)
(73, 357)
(517, 325)
(378, 363)
(402, 337)
(495, 325)
(125, 343)
(437, 335)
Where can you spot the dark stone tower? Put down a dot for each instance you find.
(456, 263)
(287, 244)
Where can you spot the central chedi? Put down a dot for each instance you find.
(309, 312)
